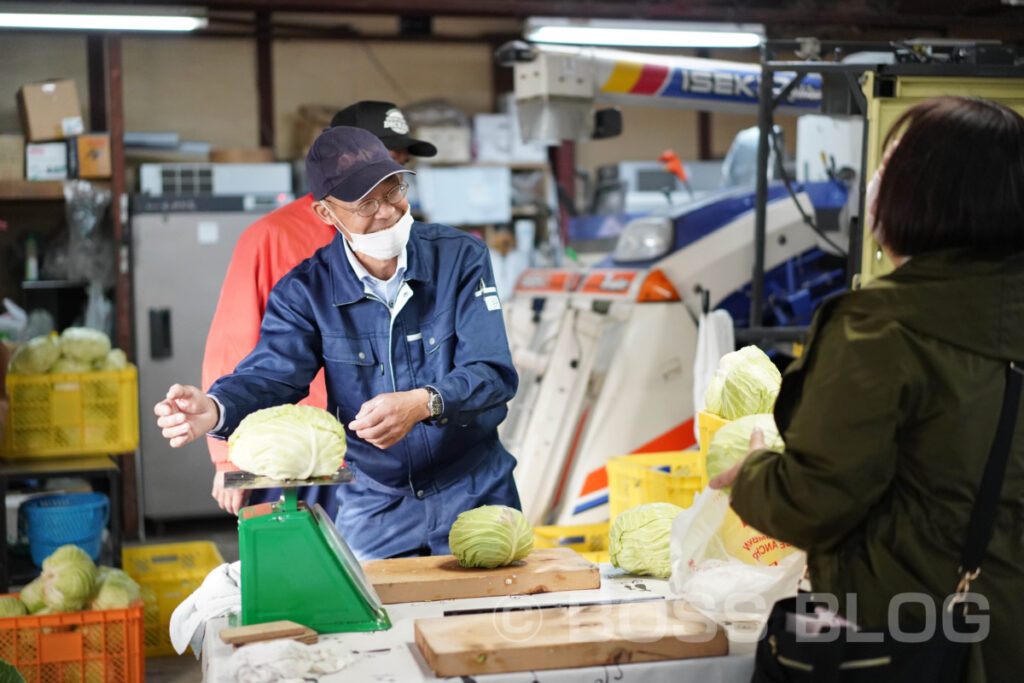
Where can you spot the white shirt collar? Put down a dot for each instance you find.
(373, 284)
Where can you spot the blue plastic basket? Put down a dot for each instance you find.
(62, 519)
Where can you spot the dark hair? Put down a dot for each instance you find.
(955, 178)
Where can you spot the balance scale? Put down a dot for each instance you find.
(295, 564)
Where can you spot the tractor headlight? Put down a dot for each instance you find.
(644, 239)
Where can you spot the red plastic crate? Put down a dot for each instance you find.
(104, 646)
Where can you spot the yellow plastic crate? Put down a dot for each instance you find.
(707, 425)
(88, 413)
(666, 477)
(167, 573)
(589, 540)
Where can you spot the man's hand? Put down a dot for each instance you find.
(185, 414)
(229, 500)
(726, 479)
(385, 419)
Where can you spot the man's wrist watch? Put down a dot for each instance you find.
(434, 403)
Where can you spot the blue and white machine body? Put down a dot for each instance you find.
(603, 373)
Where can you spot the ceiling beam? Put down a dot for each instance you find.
(978, 12)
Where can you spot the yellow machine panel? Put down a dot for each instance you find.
(882, 112)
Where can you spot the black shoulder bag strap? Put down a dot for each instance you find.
(979, 530)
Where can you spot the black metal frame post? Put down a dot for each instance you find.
(767, 103)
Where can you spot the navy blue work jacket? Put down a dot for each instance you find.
(448, 333)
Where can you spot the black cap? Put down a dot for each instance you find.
(387, 122)
(347, 163)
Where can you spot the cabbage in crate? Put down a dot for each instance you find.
(639, 539)
(490, 536)
(35, 356)
(732, 441)
(288, 442)
(69, 579)
(11, 606)
(84, 344)
(746, 382)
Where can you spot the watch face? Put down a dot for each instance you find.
(435, 404)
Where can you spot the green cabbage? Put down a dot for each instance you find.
(639, 539)
(69, 579)
(35, 356)
(288, 442)
(66, 554)
(490, 536)
(114, 360)
(11, 606)
(84, 344)
(732, 441)
(8, 674)
(32, 595)
(68, 364)
(746, 382)
(116, 590)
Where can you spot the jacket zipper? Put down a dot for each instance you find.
(391, 326)
(391, 314)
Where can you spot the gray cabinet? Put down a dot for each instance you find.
(180, 258)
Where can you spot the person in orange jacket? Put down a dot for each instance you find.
(265, 252)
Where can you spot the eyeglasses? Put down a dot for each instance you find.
(371, 206)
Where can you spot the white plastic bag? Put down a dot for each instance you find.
(715, 338)
(708, 575)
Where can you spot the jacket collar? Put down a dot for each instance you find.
(347, 288)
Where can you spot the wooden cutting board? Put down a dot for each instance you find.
(271, 630)
(412, 579)
(567, 637)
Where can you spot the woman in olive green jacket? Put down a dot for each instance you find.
(889, 416)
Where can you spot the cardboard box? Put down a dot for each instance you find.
(50, 110)
(452, 142)
(12, 157)
(492, 139)
(46, 161)
(240, 155)
(89, 156)
(497, 139)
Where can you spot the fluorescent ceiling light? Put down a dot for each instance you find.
(101, 22)
(642, 33)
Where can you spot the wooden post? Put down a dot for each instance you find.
(265, 78)
(563, 165)
(122, 257)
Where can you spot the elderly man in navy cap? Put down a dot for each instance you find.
(405, 320)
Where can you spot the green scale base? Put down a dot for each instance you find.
(296, 566)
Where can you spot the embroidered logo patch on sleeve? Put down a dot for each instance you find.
(490, 295)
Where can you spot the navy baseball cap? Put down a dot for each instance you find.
(347, 163)
(387, 122)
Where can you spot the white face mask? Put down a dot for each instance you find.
(382, 245)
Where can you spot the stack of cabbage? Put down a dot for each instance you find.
(490, 536)
(71, 582)
(639, 539)
(288, 442)
(743, 390)
(77, 349)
